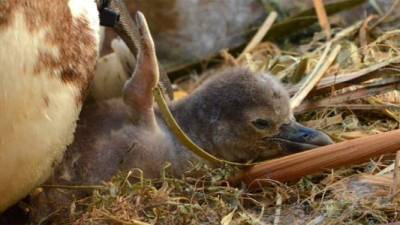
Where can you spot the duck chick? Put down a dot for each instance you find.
(237, 115)
(47, 59)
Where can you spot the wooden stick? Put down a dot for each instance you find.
(295, 166)
(322, 17)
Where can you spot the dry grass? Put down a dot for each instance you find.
(357, 195)
(362, 194)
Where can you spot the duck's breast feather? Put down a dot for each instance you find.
(47, 58)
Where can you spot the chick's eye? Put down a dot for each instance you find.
(261, 124)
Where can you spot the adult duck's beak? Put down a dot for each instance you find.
(294, 137)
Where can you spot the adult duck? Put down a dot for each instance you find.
(48, 54)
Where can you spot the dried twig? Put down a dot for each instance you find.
(353, 77)
(298, 165)
(322, 17)
(387, 14)
(307, 18)
(396, 177)
(350, 96)
(74, 187)
(363, 34)
(120, 221)
(278, 209)
(388, 169)
(348, 106)
(309, 82)
(342, 34)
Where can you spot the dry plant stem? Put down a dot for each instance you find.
(380, 73)
(278, 208)
(347, 106)
(327, 82)
(116, 219)
(315, 221)
(388, 169)
(295, 166)
(388, 111)
(306, 85)
(342, 34)
(310, 81)
(322, 17)
(300, 69)
(372, 179)
(376, 6)
(74, 187)
(387, 14)
(258, 37)
(396, 175)
(349, 96)
(363, 34)
(282, 74)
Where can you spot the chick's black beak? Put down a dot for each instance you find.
(294, 137)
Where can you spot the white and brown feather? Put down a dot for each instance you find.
(47, 57)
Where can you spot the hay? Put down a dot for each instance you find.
(362, 194)
(356, 195)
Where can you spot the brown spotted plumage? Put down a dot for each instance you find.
(48, 54)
